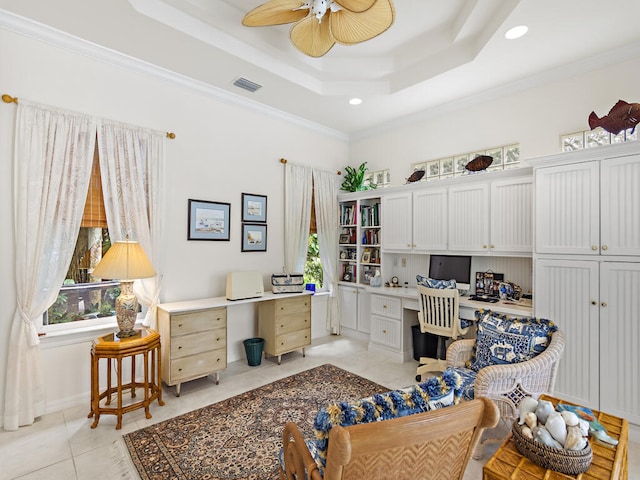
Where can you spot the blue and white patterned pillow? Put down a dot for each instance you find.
(433, 283)
(505, 340)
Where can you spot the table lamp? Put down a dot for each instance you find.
(125, 261)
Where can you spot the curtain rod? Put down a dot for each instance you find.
(9, 99)
(284, 160)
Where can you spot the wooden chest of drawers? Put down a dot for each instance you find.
(285, 325)
(194, 344)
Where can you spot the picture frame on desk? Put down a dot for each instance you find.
(344, 238)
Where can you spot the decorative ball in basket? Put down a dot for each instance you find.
(552, 439)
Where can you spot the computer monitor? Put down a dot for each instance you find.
(447, 267)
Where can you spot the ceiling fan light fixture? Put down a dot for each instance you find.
(319, 24)
(516, 32)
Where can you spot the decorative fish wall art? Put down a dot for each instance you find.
(622, 116)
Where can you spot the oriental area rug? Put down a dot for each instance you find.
(240, 437)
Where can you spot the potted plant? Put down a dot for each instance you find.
(354, 179)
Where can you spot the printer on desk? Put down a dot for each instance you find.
(242, 285)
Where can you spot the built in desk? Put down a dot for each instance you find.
(146, 343)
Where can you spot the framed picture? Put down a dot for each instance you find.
(366, 257)
(208, 220)
(254, 208)
(344, 238)
(254, 237)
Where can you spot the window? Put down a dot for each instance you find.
(83, 297)
(313, 271)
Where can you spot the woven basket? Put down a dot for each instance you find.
(570, 462)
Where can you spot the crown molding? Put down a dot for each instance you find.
(44, 33)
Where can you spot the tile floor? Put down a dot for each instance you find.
(62, 446)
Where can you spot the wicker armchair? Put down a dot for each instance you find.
(506, 385)
(430, 445)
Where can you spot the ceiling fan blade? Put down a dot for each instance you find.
(348, 27)
(312, 38)
(275, 12)
(356, 5)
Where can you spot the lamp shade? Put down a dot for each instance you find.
(125, 260)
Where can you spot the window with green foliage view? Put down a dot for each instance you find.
(313, 266)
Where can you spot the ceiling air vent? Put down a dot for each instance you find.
(247, 84)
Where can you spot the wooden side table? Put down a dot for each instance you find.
(146, 342)
(607, 464)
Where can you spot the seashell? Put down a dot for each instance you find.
(584, 426)
(531, 420)
(575, 440)
(570, 418)
(543, 410)
(526, 431)
(542, 435)
(556, 427)
(527, 404)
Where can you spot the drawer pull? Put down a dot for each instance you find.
(180, 325)
(604, 247)
(604, 304)
(218, 339)
(384, 331)
(218, 360)
(281, 343)
(281, 325)
(179, 369)
(593, 302)
(180, 347)
(594, 247)
(484, 246)
(384, 306)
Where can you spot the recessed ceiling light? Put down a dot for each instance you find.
(355, 101)
(516, 32)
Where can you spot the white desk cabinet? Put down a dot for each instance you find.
(388, 330)
(194, 344)
(355, 320)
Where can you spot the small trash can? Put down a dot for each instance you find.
(253, 348)
(424, 344)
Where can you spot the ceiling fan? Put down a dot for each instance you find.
(320, 24)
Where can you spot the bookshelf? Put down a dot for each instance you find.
(359, 243)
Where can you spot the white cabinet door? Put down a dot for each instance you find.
(619, 339)
(469, 218)
(396, 222)
(430, 220)
(348, 306)
(511, 216)
(566, 292)
(567, 207)
(364, 312)
(620, 206)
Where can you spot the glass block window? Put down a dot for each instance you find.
(594, 138)
(504, 157)
(381, 178)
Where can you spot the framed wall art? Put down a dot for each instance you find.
(254, 208)
(208, 220)
(254, 237)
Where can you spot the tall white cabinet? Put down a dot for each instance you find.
(587, 271)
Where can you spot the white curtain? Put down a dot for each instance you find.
(326, 204)
(297, 216)
(52, 165)
(131, 165)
